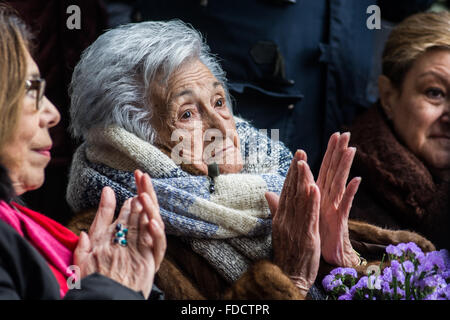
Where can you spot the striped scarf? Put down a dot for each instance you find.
(230, 227)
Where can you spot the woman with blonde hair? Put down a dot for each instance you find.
(403, 143)
(39, 258)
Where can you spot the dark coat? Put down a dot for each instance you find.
(303, 67)
(24, 273)
(397, 190)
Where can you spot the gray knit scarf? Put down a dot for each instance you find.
(230, 227)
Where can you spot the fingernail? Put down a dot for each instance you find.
(83, 236)
(136, 206)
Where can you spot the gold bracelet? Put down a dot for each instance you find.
(361, 260)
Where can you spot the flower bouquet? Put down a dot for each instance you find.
(411, 275)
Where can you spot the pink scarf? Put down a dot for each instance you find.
(55, 242)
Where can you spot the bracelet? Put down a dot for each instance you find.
(361, 260)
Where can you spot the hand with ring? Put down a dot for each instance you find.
(130, 249)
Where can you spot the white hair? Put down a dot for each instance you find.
(111, 83)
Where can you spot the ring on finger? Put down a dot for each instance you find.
(120, 236)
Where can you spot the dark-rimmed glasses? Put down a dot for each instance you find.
(36, 89)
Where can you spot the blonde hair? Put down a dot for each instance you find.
(410, 39)
(14, 41)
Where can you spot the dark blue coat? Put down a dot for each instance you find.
(302, 67)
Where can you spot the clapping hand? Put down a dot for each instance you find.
(295, 224)
(336, 201)
(134, 264)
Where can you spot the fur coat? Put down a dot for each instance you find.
(397, 190)
(186, 275)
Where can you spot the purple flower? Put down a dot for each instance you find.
(431, 296)
(397, 271)
(374, 282)
(344, 271)
(336, 283)
(362, 283)
(401, 292)
(330, 282)
(438, 294)
(387, 274)
(408, 266)
(346, 296)
(427, 274)
(446, 292)
(446, 257)
(433, 260)
(414, 249)
(326, 282)
(391, 249)
(433, 281)
(446, 275)
(402, 247)
(386, 288)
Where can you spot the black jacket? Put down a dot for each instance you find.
(24, 273)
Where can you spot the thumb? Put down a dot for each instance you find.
(104, 215)
(83, 248)
(272, 200)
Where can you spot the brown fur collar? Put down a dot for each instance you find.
(185, 275)
(399, 179)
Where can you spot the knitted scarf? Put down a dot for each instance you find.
(399, 180)
(230, 227)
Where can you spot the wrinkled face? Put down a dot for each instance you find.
(28, 152)
(421, 112)
(197, 125)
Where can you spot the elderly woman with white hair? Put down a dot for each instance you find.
(151, 96)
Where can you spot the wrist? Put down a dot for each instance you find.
(357, 260)
(301, 284)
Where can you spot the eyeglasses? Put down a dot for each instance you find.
(35, 89)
